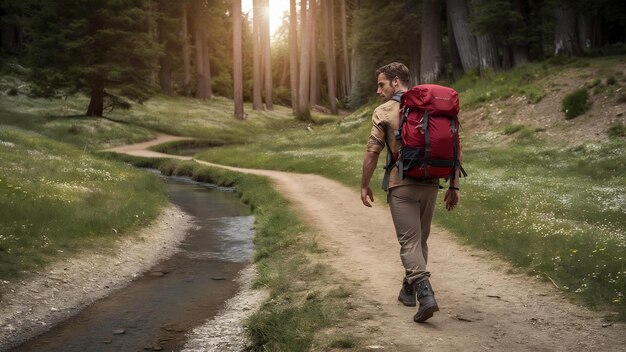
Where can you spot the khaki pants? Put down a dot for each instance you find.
(412, 208)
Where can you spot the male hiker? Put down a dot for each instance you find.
(411, 200)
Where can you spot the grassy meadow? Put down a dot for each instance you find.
(56, 199)
(555, 209)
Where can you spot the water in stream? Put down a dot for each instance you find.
(156, 310)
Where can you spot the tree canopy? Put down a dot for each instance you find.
(120, 50)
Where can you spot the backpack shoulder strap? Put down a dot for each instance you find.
(397, 96)
(389, 163)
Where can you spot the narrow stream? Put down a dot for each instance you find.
(156, 310)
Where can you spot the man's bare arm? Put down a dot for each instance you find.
(370, 159)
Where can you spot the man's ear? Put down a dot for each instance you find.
(395, 81)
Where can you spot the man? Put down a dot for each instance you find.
(411, 201)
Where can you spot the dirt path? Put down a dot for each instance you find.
(483, 306)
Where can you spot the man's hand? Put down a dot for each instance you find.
(365, 193)
(369, 165)
(452, 199)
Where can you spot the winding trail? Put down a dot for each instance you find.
(484, 306)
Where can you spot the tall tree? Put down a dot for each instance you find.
(466, 42)
(11, 33)
(374, 45)
(203, 71)
(293, 55)
(314, 82)
(328, 10)
(102, 49)
(303, 112)
(565, 30)
(431, 62)
(237, 60)
(184, 37)
(504, 21)
(257, 73)
(346, 81)
(164, 29)
(520, 36)
(455, 58)
(267, 55)
(486, 42)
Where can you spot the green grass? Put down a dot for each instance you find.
(58, 199)
(557, 212)
(550, 214)
(616, 130)
(210, 120)
(60, 120)
(576, 103)
(521, 81)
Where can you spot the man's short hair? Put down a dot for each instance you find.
(393, 70)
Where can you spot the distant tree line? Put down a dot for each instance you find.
(323, 57)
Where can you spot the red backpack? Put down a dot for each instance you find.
(429, 132)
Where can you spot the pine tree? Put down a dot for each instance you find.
(100, 48)
(237, 60)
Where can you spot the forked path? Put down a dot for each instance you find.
(483, 306)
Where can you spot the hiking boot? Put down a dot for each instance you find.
(426, 297)
(407, 294)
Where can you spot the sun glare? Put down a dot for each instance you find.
(276, 10)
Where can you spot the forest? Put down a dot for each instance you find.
(322, 57)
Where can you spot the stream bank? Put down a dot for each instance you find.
(156, 310)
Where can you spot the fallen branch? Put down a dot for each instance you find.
(554, 283)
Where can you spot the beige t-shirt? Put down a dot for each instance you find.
(385, 121)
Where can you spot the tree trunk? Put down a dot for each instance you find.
(455, 58)
(284, 73)
(431, 62)
(185, 46)
(590, 31)
(344, 51)
(165, 76)
(199, 46)
(487, 49)
(465, 40)
(507, 60)
(257, 74)
(96, 102)
(165, 66)
(305, 62)
(9, 38)
(565, 31)
(237, 60)
(597, 34)
(312, 25)
(488, 53)
(414, 61)
(206, 65)
(521, 55)
(267, 55)
(355, 69)
(152, 31)
(293, 55)
(331, 66)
